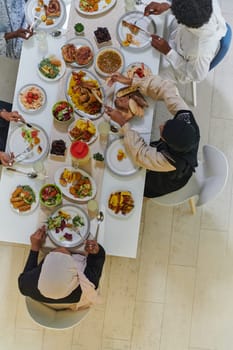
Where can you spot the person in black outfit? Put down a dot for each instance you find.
(31, 280)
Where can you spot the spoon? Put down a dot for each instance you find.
(31, 175)
(56, 33)
(100, 218)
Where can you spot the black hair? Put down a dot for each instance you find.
(192, 13)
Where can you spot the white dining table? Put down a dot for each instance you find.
(119, 236)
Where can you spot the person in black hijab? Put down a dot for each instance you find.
(172, 159)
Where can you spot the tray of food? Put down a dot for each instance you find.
(84, 91)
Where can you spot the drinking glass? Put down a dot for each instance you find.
(104, 129)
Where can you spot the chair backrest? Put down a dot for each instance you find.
(205, 184)
(212, 174)
(53, 319)
(224, 47)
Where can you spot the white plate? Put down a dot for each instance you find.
(24, 90)
(124, 167)
(139, 65)
(78, 238)
(18, 144)
(92, 139)
(120, 215)
(79, 42)
(65, 190)
(114, 49)
(31, 13)
(103, 7)
(88, 76)
(143, 22)
(34, 204)
(62, 70)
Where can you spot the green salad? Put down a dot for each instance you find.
(50, 67)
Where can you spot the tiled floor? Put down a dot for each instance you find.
(178, 293)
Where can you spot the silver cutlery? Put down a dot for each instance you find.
(100, 218)
(25, 152)
(31, 175)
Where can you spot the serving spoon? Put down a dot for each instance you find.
(100, 218)
(31, 175)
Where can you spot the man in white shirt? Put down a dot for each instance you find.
(193, 38)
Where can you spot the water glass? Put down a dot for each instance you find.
(104, 129)
(92, 208)
(129, 5)
(41, 37)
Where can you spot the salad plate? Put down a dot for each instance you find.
(75, 184)
(139, 40)
(118, 160)
(35, 9)
(51, 68)
(68, 226)
(22, 137)
(85, 104)
(102, 6)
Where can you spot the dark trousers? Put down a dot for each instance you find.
(4, 125)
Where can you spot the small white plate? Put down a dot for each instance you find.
(65, 190)
(140, 65)
(37, 105)
(31, 13)
(123, 167)
(143, 39)
(33, 205)
(120, 215)
(102, 7)
(62, 69)
(79, 42)
(92, 139)
(18, 144)
(77, 237)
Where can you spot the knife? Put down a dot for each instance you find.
(133, 27)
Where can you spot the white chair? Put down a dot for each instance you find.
(225, 43)
(54, 319)
(205, 184)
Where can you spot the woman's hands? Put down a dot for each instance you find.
(120, 78)
(38, 238)
(19, 33)
(11, 116)
(156, 8)
(115, 115)
(7, 159)
(92, 247)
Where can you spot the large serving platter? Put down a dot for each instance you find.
(79, 42)
(78, 236)
(31, 13)
(88, 76)
(103, 6)
(38, 104)
(123, 167)
(65, 189)
(136, 17)
(17, 144)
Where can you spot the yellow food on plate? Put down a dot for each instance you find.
(121, 202)
(83, 129)
(121, 155)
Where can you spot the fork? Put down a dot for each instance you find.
(27, 150)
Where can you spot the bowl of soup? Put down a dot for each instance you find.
(109, 60)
